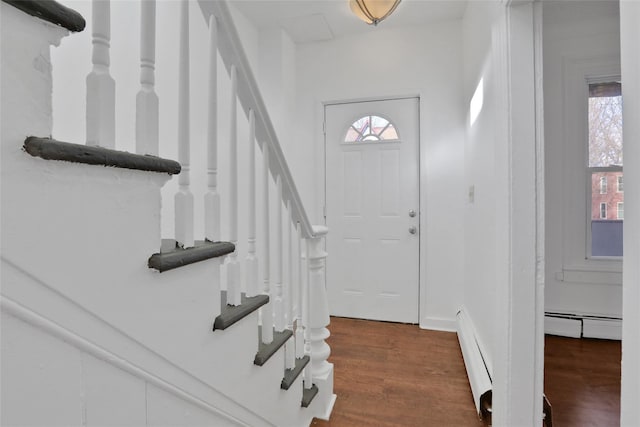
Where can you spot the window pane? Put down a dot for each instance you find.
(606, 238)
(605, 124)
(371, 128)
(605, 151)
(389, 133)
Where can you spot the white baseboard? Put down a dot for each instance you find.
(477, 373)
(609, 329)
(582, 326)
(563, 327)
(438, 324)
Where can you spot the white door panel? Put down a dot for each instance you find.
(371, 186)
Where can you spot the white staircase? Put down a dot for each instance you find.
(91, 335)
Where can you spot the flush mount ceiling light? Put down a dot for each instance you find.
(373, 11)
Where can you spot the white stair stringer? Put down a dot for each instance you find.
(85, 266)
(54, 331)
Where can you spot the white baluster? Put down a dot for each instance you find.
(233, 266)
(212, 197)
(290, 346)
(267, 310)
(289, 298)
(252, 275)
(306, 318)
(101, 88)
(278, 306)
(184, 197)
(319, 309)
(147, 122)
(299, 335)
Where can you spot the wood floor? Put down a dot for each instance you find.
(389, 374)
(582, 381)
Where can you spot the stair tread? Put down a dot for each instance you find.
(51, 11)
(50, 149)
(171, 256)
(290, 375)
(265, 351)
(230, 314)
(308, 394)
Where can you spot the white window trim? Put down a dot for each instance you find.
(618, 210)
(603, 184)
(603, 205)
(620, 184)
(577, 73)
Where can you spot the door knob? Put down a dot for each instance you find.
(412, 213)
(413, 230)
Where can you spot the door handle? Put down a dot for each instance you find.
(412, 213)
(413, 229)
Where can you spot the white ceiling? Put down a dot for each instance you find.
(316, 20)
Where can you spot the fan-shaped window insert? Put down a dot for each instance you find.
(371, 129)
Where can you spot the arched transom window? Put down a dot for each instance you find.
(371, 128)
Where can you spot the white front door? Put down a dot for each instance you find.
(372, 209)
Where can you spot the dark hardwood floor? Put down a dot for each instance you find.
(582, 381)
(389, 374)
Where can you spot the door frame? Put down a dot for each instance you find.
(422, 218)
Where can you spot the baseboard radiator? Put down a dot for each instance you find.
(474, 362)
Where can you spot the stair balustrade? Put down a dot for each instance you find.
(147, 103)
(184, 209)
(297, 300)
(101, 88)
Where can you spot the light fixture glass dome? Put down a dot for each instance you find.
(373, 11)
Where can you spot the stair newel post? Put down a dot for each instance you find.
(290, 346)
(299, 333)
(212, 197)
(266, 312)
(101, 88)
(279, 300)
(233, 266)
(252, 261)
(184, 197)
(147, 108)
(318, 307)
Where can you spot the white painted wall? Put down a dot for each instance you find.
(480, 227)
(630, 39)
(581, 39)
(424, 61)
(502, 295)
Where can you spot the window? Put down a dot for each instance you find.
(371, 128)
(603, 185)
(605, 165)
